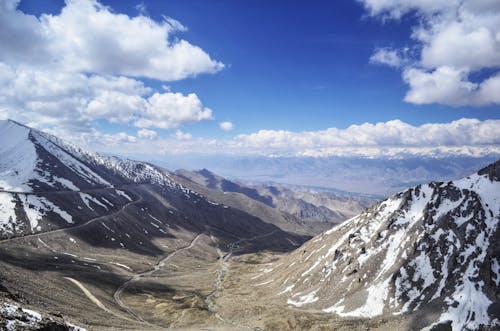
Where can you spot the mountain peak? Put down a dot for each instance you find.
(492, 171)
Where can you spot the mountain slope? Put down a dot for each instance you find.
(100, 240)
(318, 210)
(241, 199)
(46, 183)
(325, 208)
(430, 254)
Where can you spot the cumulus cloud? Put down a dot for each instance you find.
(378, 136)
(88, 37)
(169, 110)
(71, 101)
(450, 86)
(65, 71)
(147, 134)
(179, 135)
(464, 137)
(388, 57)
(457, 39)
(226, 126)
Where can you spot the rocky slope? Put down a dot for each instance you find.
(112, 243)
(315, 206)
(13, 317)
(430, 255)
(319, 210)
(46, 183)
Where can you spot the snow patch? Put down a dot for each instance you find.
(8, 219)
(121, 265)
(123, 194)
(86, 198)
(304, 299)
(374, 304)
(36, 207)
(495, 270)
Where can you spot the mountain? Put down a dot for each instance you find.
(378, 175)
(320, 210)
(427, 257)
(312, 205)
(110, 243)
(237, 196)
(46, 183)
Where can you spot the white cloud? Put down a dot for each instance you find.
(123, 137)
(147, 134)
(142, 8)
(116, 107)
(397, 8)
(226, 126)
(71, 101)
(88, 37)
(179, 135)
(65, 71)
(464, 137)
(387, 56)
(457, 39)
(450, 86)
(111, 141)
(369, 136)
(169, 110)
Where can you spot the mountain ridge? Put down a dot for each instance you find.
(150, 248)
(428, 256)
(320, 210)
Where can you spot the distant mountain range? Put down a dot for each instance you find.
(320, 209)
(381, 176)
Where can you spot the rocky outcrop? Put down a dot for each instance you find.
(430, 252)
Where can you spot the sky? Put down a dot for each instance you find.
(302, 78)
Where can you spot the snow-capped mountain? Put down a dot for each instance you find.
(34, 161)
(46, 183)
(430, 254)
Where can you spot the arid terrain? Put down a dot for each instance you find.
(101, 243)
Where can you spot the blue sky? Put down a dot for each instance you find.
(298, 65)
(301, 66)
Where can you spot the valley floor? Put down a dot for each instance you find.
(200, 284)
(132, 270)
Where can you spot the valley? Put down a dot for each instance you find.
(100, 243)
(174, 286)
(249, 165)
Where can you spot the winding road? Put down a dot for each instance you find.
(224, 259)
(156, 267)
(92, 220)
(92, 298)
